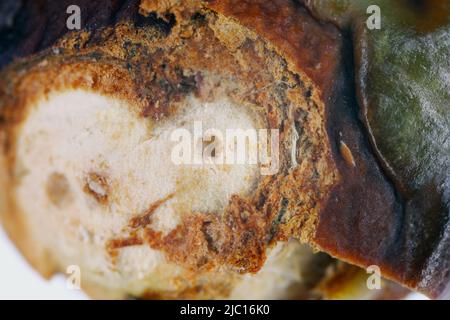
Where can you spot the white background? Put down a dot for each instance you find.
(19, 281)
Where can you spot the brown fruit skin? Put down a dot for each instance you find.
(363, 214)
